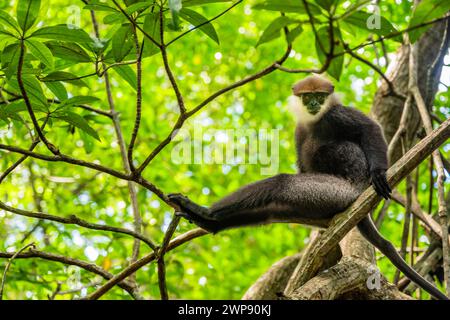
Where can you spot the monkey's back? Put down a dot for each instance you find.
(323, 147)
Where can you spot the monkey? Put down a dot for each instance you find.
(340, 153)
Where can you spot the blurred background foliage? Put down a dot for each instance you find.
(211, 267)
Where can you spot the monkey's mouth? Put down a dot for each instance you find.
(313, 109)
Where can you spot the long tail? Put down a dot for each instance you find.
(370, 232)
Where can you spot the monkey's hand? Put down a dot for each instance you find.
(379, 182)
(193, 212)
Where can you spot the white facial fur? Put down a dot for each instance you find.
(303, 116)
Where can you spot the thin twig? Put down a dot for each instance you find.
(2, 286)
(203, 23)
(173, 82)
(442, 211)
(72, 219)
(407, 219)
(162, 251)
(136, 25)
(181, 239)
(126, 161)
(53, 149)
(24, 157)
(63, 158)
(137, 120)
(74, 262)
(377, 70)
(382, 213)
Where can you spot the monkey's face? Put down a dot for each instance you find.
(309, 107)
(313, 101)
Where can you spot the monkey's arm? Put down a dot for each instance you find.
(367, 133)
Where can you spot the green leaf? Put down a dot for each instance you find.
(190, 3)
(99, 6)
(122, 43)
(10, 59)
(128, 74)
(27, 13)
(68, 51)
(64, 33)
(152, 28)
(337, 63)
(273, 29)
(426, 10)
(371, 23)
(138, 6)
(87, 142)
(327, 4)
(4, 35)
(77, 100)
(33, 89)
(65, 77)
(114, 18)
(196, 19)
(294, 6)
(120, 17)
(130, 2)
(8, 21)
(77, 121)
(58, 89)
(294, 33)
(12, 108)
(40, 51)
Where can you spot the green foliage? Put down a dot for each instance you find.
(197, 19)
(360, 19)
(273, 30)
(63, 33)
(427, 10)
(122, 42)
(41, 52)
(323, 48)
(63, 76)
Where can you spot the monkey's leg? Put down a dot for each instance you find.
(370, 232)
(282, 198)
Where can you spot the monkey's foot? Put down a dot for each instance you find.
(193, 212)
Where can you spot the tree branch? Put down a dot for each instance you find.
(77, 221)
(74, 262)
(132, 268)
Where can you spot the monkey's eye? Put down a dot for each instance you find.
(321, 97)
(307, 97)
